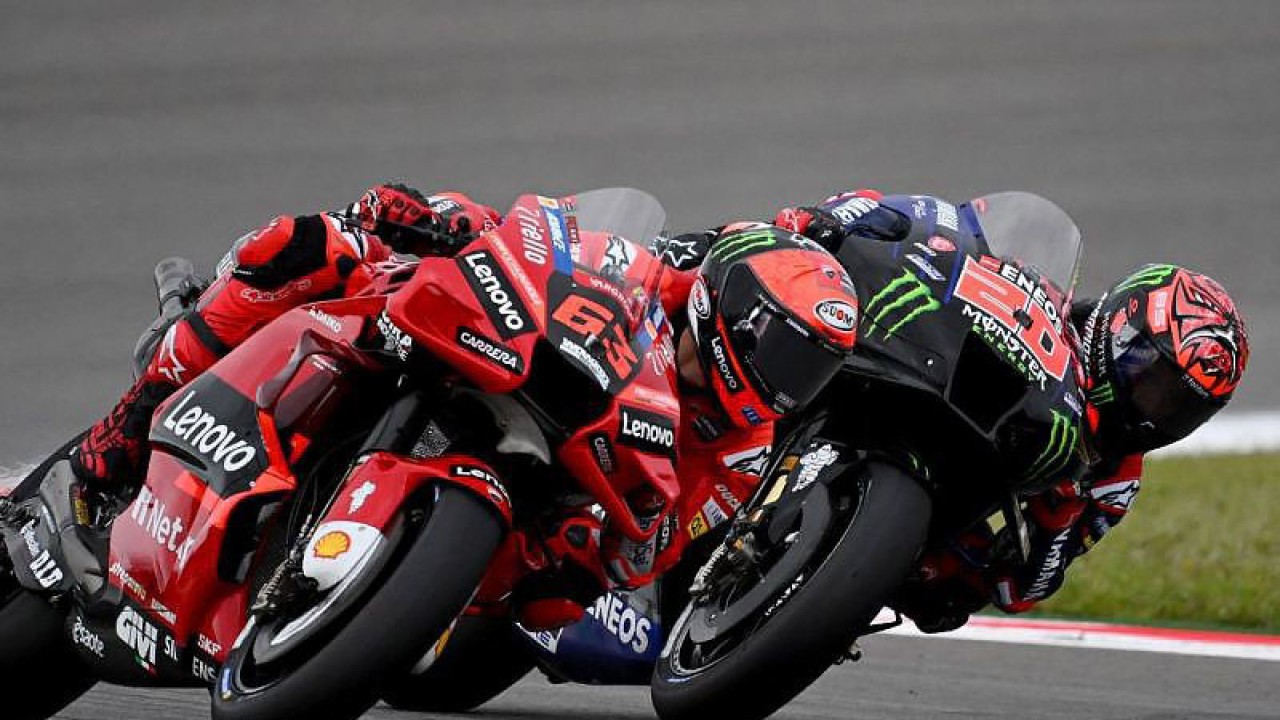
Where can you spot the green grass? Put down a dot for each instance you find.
(1201, 547)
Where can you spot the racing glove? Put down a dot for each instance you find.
(814, 223)
(1053, 515)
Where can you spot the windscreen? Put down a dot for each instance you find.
(624, 214)
(1027, 229)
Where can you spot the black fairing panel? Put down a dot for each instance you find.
(212, 429)
(922, 378)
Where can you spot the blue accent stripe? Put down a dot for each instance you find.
(560, 248)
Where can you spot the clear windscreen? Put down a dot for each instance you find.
(1027, 229)
(633, 215)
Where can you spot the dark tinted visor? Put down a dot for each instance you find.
(1163, 404)
(788, 363)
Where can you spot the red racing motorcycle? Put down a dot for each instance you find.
(329, 497)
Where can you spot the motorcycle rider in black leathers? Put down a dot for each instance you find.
(1162, 351)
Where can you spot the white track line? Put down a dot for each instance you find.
(1104, 636)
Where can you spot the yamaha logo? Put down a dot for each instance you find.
(837, 314)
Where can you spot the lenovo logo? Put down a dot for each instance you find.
(500, 301)
(209, 436)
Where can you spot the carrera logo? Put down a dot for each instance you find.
(647, 432)
(210, 437)
(484, 347)
(723, 367)
(499, 298)
(837, 314)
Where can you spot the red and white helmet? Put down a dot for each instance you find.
(1165, 350)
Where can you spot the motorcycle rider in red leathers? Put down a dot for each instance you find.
(1162, 351)
(727, 356)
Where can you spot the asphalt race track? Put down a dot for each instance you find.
(899, 679)
(133, 130)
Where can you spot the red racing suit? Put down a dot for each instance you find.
(966, 573)
(290, 261)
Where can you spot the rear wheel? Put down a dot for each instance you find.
(39, 671)
(753, 667)
(333, 674)
(482, 658)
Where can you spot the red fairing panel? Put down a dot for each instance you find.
(216, 451)
(375, 490)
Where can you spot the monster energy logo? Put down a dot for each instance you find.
(1102, 394)
(1062, 442)
(735, 245)
(1147, 276)
(906, 293)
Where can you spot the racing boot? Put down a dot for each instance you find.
(111, 458)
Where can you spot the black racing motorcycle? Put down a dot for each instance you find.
(961, 396)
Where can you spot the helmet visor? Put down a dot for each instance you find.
(1163, 403)
(787, 363)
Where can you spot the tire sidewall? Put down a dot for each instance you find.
(808, 633)
(405, 613)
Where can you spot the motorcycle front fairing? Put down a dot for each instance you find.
(181, 553)
(965, 354)
(560, 310)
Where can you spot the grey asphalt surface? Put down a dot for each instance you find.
(898, 679)
(133, 130)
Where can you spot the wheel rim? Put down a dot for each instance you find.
(687, 657)
(263, 656)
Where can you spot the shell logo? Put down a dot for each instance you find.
(331, 545)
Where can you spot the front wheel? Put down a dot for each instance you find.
(335, 676)
(482, 658)
(827, 597)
